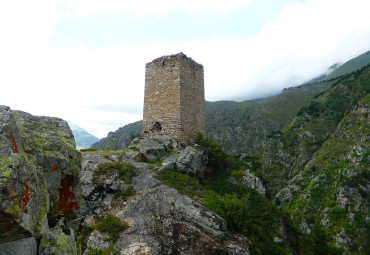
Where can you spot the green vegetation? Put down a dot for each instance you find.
(83, 236)
(86, 150)
(320, 242)
(121, 138)
(365, 99)
(327, 149)
(244, 209)
(112, 226)
(125, 194)
(107, 251)
(126, 171)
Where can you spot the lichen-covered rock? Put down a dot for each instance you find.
(58, 242)
(191, 161)
(96, 191)
(253, 182)
(39, 169)
(154, 148)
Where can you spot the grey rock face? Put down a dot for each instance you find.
(191, 161)
(253, 182)
(101, 190)
(155, 147)
(26, 246)
(162, 221)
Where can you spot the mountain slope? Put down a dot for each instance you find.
(320, 164)
(242, 130)
(119, 138)
(350, 66)
(83, 139)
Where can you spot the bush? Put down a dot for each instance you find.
(111, 225)
(321, 239)
(216, 155)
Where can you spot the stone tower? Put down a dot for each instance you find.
(174, 98)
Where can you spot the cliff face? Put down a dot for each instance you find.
(39, 168)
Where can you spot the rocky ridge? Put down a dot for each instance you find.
(161, 220)
(51, 196)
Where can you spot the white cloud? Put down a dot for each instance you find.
(141, 8)
(42, 79)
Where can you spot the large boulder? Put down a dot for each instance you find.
(191, 161)
(152, 148)
(39, 168)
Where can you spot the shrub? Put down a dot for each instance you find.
(111, 225)
(216, 155)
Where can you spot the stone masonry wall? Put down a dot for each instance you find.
(174, 98)
(192, 105)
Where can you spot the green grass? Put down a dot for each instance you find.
(106, 251)
(126, 171)
(350, 66)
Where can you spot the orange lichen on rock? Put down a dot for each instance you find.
(67, 203)
(14, 144)
(54, 168)
(23, 200)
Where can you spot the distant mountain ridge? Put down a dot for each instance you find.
(83, 139)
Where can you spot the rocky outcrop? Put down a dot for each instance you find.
(152, 148)
(161, 221)
(39, 168)
(253, 182)
(191, 161)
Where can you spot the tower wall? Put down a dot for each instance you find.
(174, 98)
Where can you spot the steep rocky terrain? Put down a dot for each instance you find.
(159, 219)
(319, 164)
(113, 205)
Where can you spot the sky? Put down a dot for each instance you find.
(84, 60)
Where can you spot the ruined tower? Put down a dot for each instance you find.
(174, 98)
